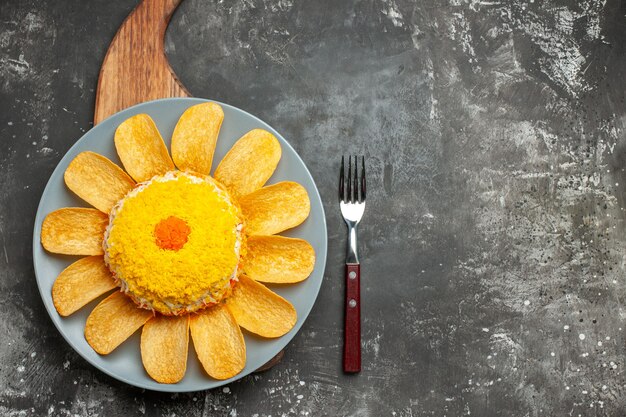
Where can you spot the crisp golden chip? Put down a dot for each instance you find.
(97, 180)
(275, 208)
(164, 343)
(195, 136)
(113, 321)
(74, 231)
(218, 342)
(141, 148)
(278, 259)
(260, 310)
(249, 163)
(80, 283)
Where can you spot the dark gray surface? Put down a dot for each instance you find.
(493, 240)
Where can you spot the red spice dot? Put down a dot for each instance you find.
(171, 233)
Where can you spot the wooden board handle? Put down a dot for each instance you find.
(135, 68)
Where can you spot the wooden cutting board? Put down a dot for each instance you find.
(135, 69)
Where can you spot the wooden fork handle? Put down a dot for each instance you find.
(352, 320)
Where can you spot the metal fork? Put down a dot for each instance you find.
(352, 204)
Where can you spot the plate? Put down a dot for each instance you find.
(124, 363)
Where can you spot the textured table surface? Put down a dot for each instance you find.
(494, 238)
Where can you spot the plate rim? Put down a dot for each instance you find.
(174, 388)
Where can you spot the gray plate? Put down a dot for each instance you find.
(125, 362)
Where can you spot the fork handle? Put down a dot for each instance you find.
(352, 320)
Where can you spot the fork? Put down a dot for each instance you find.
(352, 204)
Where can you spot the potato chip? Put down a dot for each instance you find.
(260, 310)
(141, 148)
(97, 180)
(218, 342)
(81, 283)
(195, 136)
(164, 344)
(113, 321)
(275, 208)
(278, 259)
(249, 163)
(74, 231)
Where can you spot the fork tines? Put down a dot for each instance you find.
(352, 187)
